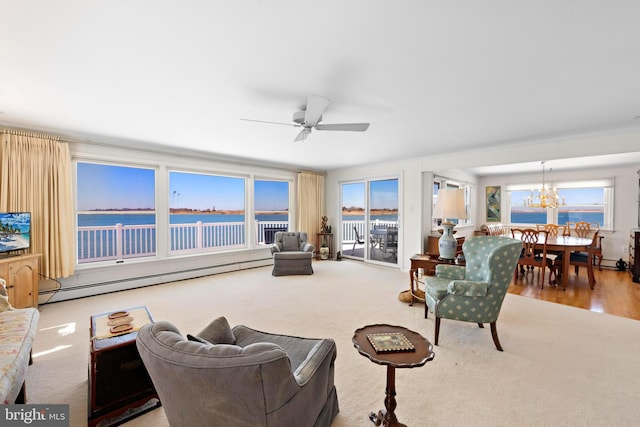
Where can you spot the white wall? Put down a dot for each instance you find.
(415, 211)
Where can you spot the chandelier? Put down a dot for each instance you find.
(544, 197)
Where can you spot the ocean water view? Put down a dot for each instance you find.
(99, 220)
(521, 217)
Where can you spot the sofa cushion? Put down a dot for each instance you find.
(217, 332)
(17, 332)
(290, 243)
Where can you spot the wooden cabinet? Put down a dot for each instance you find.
(634, 255)
(432, 245)
(119, 384)
(21, 274)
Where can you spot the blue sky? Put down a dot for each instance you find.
(271, 195)
(116, 187)
(197, 191)
(384, 194)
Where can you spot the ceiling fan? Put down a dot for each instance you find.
(311, 118)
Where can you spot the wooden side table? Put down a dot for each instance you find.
(428, 264)
(118, 380)
(404, 359)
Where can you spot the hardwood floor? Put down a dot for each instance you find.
(614, 292)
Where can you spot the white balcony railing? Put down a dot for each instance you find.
(103, 243)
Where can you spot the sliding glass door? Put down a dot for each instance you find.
(383, 221)
(369, 220)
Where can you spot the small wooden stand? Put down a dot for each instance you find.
(423, 353)
(118, 380)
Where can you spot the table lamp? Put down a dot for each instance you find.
(449, 205)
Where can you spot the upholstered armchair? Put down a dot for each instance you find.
(474, 292)
(292, 253)
(240, 376)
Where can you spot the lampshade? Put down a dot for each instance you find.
(450, 204)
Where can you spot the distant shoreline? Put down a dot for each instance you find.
(180, 212)
(353, 212)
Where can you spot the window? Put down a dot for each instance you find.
(125, 211)
(116, 217)
(441, 182)
(271, 209)
(590, 201)
(206, 212)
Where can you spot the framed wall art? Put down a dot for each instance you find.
(493, 204)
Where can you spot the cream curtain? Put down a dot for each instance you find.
(35, 176)
(310, 203)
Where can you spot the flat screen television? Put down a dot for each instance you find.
(15, 231)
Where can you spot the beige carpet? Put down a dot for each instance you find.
(561, 366)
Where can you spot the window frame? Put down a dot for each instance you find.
(606, 184)
(443, 182)
(162, 202)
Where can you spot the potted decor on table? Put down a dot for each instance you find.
(324, 247)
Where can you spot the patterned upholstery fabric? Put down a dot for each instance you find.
(17, 332)
(474, 293)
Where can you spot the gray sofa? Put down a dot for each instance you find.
(292, 253)
(240, 376)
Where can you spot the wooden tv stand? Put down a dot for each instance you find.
(21, 274)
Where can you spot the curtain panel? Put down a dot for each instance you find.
(35, 176)
(310, 203)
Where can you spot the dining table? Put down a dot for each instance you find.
(566, 245)
(384, 237)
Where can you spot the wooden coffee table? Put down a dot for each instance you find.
(422, 354)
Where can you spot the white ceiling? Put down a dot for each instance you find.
(427, 75)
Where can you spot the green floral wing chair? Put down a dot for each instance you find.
(474, 292)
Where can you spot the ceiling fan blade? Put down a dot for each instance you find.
(272, 123)
(354, 127)
(315, 107)
(303, 134)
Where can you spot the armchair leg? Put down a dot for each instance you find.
(481, 325)
(494, 334)
(437, 330)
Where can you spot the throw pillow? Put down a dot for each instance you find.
(197, 339)
(218, 332)
(4, 299)
(291, 243)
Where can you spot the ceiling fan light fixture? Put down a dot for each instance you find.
(311, 117)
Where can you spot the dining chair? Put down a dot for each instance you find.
(392, 239)
(534, 251)
(553, 230)
(580, 228)
(358, 240)
(582, 259)
(586, 229)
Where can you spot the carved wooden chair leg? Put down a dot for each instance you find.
(494, 334)
(481, 325)
(437, 330)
